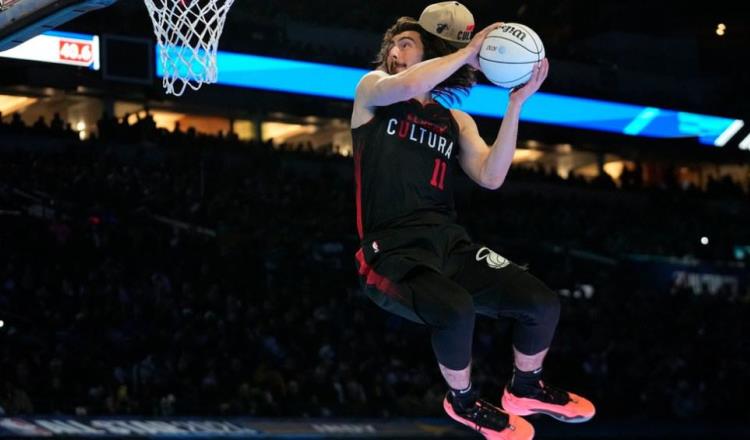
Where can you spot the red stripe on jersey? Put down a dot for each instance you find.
(358, 183)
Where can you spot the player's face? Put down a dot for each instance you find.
(406, 51)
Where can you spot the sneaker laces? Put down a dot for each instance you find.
(550, 394)
(484, 415)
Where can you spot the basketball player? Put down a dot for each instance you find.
(415, 260)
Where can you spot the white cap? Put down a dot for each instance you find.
(450, 21)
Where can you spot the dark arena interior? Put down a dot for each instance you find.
(184, 266)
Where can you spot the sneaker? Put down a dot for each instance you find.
(554, 402)
(490, 421)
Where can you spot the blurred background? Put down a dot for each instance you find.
(168, 261)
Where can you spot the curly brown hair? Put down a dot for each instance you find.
(455, 85)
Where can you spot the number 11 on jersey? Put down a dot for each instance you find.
(438, 174)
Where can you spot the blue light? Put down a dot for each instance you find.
(331, 81)
(287, 75)
(641, 121)
(61, 34)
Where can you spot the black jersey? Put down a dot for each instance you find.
(404, 159)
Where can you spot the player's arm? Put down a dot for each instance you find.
(474, 156)
(488, 166)
(380, 89)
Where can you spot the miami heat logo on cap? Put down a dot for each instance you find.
(449, 20)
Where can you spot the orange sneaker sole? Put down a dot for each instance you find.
(578, 410)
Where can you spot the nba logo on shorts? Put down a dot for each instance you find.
(375, 247)
(493, 260)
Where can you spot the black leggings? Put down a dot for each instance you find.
(483, 283)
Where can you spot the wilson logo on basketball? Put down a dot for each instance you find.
(76, 51)
(518, 33)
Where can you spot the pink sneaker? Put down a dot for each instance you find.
(561, 405)
(490, 421)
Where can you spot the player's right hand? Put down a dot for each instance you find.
(475, 45)
(521, 93)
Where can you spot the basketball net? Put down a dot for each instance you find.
(188, 34)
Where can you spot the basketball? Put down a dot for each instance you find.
(509, 53)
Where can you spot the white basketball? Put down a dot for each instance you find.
(509, 53)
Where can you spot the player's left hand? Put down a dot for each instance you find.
(475, 45)
(521, 93)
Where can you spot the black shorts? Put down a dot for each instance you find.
(413, 271)
(386, 259)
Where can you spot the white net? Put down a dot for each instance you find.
(188, 34)
(5, 4)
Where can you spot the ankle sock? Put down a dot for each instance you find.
(463, 399)
(525, 382)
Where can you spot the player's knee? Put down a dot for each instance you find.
(456, 312)
(544, 307)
